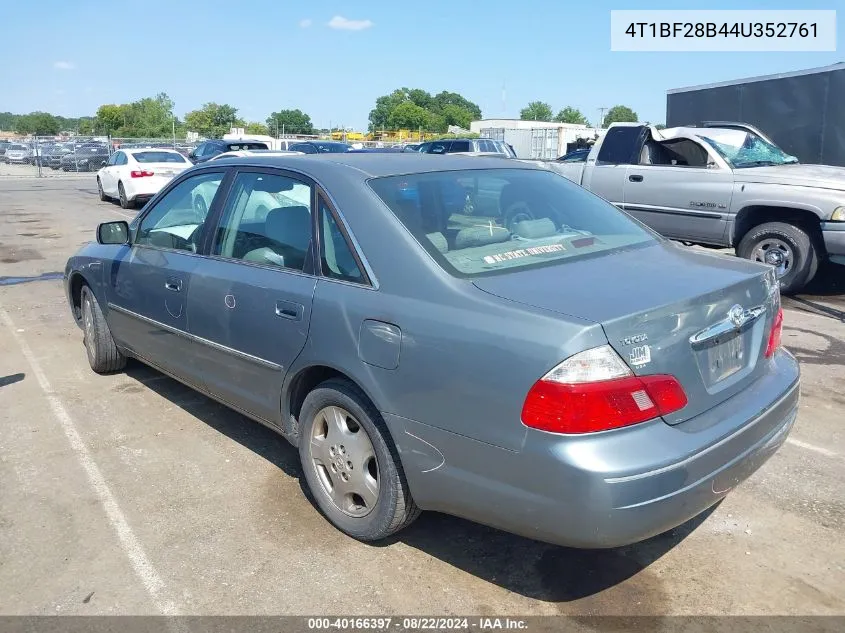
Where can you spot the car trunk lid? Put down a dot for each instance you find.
(665, 310)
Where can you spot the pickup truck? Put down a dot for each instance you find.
(718, 185)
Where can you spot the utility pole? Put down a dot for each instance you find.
(601, 117)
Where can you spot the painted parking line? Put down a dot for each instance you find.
(141, 564)
(811, 447)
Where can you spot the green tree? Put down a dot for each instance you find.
(8, 120)
(571, 115)
(456, 115)
(444, 99)
(443, 109)
(536, 111)
(620, 114)
(85, 125)
(110, 118)
(254, 127)
(37, 123)
(289, 122)
(213, 120)
(409, 115)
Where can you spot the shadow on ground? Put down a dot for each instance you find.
(529, 568)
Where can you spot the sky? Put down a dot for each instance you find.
(333, 58)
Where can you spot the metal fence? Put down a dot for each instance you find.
(52, 156)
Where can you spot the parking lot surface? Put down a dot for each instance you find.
(131, 494)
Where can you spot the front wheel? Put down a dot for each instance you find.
(351, 465)
(103, 355)
(787, 247)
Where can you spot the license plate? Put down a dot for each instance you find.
(726, 358)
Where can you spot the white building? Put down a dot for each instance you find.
(520, 124)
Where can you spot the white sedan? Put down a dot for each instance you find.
(135, 175)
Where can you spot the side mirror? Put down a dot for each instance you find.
(113, 232)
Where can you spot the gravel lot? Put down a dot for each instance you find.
(130, 494)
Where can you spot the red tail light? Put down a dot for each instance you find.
(775, 334)
(141, 174)
(599, 406)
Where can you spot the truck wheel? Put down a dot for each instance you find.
(351, 465)
(787, 247)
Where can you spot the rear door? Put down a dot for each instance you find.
(605, 176)
(249, 303)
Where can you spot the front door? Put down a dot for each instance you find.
(680, 191)
(148, 286)
(249, 304)
(108, 179)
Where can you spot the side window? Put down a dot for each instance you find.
(459, 146)
(439, 147)
(112, 159)
(176, 220)
(336, 258)
(121, 159)
(267, 220)
(619, 145)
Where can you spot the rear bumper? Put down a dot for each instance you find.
(606, 489)
(834, 240)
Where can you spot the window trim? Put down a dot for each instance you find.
(223, 189)
(217, 217)
(366, 282)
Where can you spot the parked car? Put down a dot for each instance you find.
(467, 145)
(210, 149)
(722, 185)
(88, 157)
(134, 176)
(3, 147)
(320, 147)
(18, 154)
(591, 385)
(53, 157)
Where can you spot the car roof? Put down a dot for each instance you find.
(378, 164)
(138, 150)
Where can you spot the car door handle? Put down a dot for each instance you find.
(289, 310)
(173, 284)
(635, 178)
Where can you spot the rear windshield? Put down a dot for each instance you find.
(485, 221)
(159, 157)
(233, 147)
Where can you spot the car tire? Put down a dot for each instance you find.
(333, 417)
(103, 355)
(786, 246)
(125, 203)
(102, 194)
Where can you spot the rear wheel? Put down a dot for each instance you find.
(351, 465)
(125, 203)
(103, 355)
(787, 247)
(100, 191)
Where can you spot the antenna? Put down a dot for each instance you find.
(601, 117)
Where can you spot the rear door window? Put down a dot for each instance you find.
(620, 146)
(460, 146)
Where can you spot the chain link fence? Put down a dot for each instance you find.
(52, 156)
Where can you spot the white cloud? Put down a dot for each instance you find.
(304, 24)
(64, 65)
(341, 23)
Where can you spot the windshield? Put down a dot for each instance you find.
(746, 149)
(485, 221)
(159, 157)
